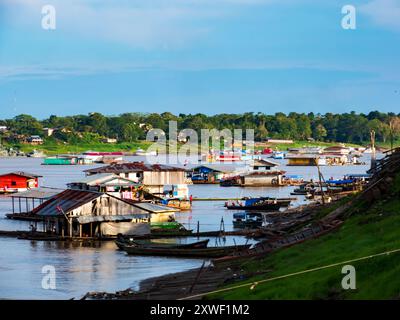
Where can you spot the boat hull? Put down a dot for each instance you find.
(263, 207)
(176, 252)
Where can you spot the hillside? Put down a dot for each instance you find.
(371, 226)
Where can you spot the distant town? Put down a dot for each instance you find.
(127, 132)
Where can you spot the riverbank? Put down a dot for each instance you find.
(312, 267)
(54, 148)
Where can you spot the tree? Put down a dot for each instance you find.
(26, 124)
(394, 125)
(131, 132)
(319, 132)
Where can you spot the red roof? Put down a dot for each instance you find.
(21, 174)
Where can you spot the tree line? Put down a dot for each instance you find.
(129, 127)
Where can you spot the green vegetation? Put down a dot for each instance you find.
(368, 230)
(54, 148)
(87, 131)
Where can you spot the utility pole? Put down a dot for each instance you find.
(320, 180)
(373, 155)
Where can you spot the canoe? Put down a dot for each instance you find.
(147, 244)
(265, 206)
(212, 252)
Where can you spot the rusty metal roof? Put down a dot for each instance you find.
(39, 193)
(68, 200)
(71, 199)
(132, 167)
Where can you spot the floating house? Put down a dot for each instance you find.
(338, 150)
(152, 176)
(18, 181)
(24, 202)
(255, 179)
(78, 213)
(306, 150)
(209, 174)
(110, 183)
(262, 165)
(314, 160)
(305, 160)
(67, 160)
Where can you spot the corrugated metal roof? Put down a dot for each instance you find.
(68, 200)
(22, 174)
(263, 162)
(132, 167)
(101, 179)
(39, 193)
(71, 199)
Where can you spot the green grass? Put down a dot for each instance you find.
(372, 231)
(52, 148)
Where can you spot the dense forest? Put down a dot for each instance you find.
(128, 127)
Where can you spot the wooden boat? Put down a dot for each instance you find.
(122, 242)
(260, 204)
(212, 252)
(247, 220)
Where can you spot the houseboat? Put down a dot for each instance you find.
(210, 173)
(78, 213)
(254, 179)
(98, 156)
(67, 160)
(305, 160)
(261, 165)
(314, 160)
(260, 204)
(338, 150)
(154, 177)
(18, 181)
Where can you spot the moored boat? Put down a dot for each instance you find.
(247, 220)
(212, 252)
(261, 204)
(121, 242)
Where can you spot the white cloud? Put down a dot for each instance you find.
(385, 13)
(137, 23)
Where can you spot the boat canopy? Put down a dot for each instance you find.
(337, 182)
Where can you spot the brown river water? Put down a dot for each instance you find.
(101, 267)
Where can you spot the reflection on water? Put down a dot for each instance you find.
(82, 267)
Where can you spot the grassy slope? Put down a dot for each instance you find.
(375, 230)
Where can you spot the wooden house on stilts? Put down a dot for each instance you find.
(79, 213)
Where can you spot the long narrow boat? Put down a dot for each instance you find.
(121, 243)
(212, 252)
(260, 204)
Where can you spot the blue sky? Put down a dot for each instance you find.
(189, 56)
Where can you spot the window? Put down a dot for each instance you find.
(127, 175)
(13, 183)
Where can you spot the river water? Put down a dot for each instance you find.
(101, 267)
